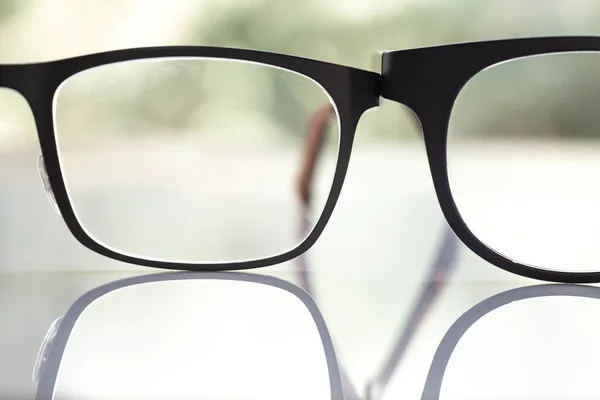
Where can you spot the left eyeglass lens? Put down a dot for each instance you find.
(191, 159)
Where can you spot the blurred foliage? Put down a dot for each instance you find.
(9, 8)
(556, 108)
(353, 33)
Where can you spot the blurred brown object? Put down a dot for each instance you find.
(315, 133)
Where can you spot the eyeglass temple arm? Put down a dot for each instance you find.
(313, 143)
(439, 274)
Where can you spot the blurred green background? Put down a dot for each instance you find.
(346, 32)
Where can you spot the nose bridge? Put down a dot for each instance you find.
(408, 77)
(393, 78)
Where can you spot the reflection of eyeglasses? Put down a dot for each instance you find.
(180, 157)
(438, 276)
(278, 340)
(536, 364)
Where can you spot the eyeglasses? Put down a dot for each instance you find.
(183, 157)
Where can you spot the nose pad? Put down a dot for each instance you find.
(44, 351)
(46, 182)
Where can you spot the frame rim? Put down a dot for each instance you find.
(353, 92)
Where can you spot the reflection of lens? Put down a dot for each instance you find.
(189, 159)
(524, 159)
(537, 348)
(193, 339)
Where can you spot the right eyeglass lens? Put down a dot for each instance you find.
(524, 159)
(192, 159)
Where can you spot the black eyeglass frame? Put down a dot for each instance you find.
(426, 80)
